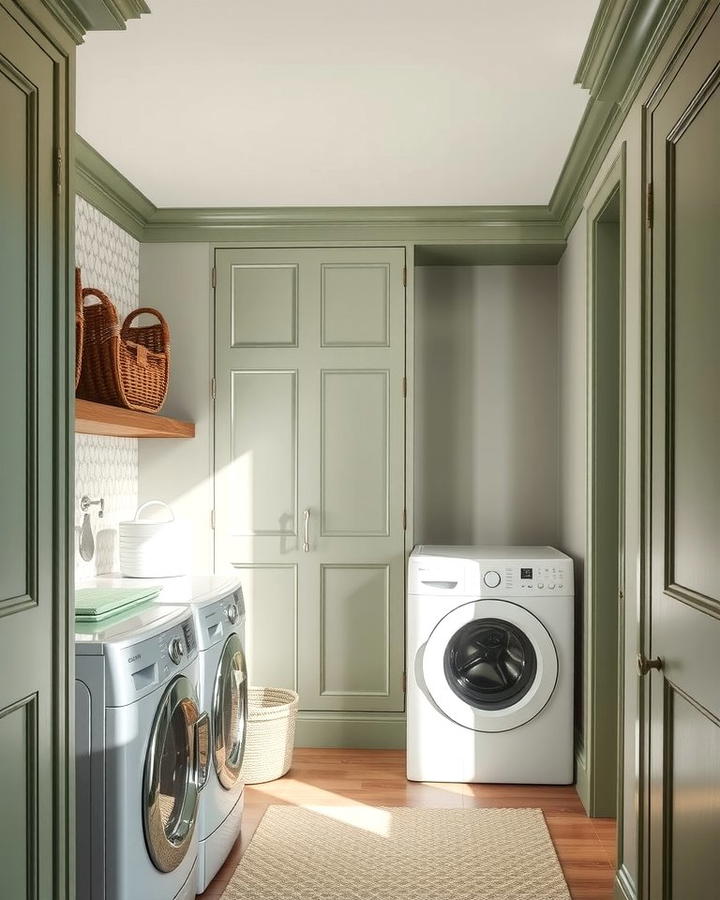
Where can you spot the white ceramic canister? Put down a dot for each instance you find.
(151, 548)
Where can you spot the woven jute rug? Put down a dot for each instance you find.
(370, 853)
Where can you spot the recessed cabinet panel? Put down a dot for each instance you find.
(695, 778)
(355, 453)
(696, 364)
(16, 152)
(355, 306)
(264, 453)
(270, 594)
(354, 608)
(264, 306)
(18, 788)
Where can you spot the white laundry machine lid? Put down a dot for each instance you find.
(490, 665)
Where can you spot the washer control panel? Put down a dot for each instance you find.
(134, 669)
(517, 575)
(531, 578)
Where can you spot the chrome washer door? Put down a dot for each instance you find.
(490, 665)
(229, 713)
(170, 786)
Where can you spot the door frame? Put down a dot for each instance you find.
(596, 762)
(383, 730)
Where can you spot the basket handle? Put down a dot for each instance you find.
(104, 301)
(154, 503)
(78, 290)
(149, 311)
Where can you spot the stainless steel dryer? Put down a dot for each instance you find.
(142, 749)
(218, 611)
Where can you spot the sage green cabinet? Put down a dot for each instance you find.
(310, 467)
(35, 839)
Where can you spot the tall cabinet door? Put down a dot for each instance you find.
(309, 461)
(35, 824)
(684, 130)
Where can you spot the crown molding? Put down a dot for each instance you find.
(100, 183)
(624, 42)
(603, 41)
(461, 225)
(80, 16)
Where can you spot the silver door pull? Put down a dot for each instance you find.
(306, 529)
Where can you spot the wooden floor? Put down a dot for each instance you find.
(585, 847)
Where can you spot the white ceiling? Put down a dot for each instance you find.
(338, 102)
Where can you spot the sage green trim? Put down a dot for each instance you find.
(372, 731)
(624, 887)
(601, 790)
(384, 216)
(425, 225)
(80, 16)
(581, 773)
(614, 66)
(104, 187)
(602, 41)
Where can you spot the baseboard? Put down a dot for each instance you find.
(624, 887)
(582, 783)
(373, 731)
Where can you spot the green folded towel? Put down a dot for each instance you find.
(96, 604)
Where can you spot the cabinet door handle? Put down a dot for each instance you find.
(306, 530)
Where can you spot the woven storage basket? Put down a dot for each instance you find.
(270, 734)
(79, 325)
(125, 366)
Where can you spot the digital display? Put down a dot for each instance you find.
(526, 573)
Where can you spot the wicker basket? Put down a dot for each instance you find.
(79, 325)
(270, 734)
(127, 367)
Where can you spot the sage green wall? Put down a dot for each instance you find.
(572, 330)
(486, 405)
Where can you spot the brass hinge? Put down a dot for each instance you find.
(404, 386)
(214, 277)
(58, 171)
(213, 388)
(212, 519)
(404, 276)
(650, 204)
(404, 520)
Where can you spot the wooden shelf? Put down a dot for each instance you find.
(113, 421)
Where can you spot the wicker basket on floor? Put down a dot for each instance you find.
(79, 325)
(125, 366)
(272, 713)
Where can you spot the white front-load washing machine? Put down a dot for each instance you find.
(490, 640)
(141, 755)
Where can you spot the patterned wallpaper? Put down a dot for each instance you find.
(105, 467)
